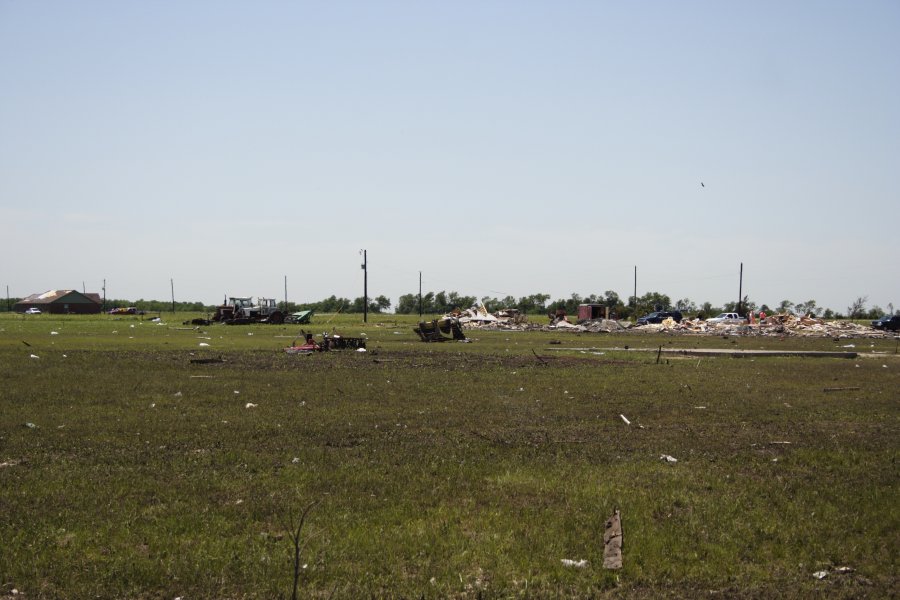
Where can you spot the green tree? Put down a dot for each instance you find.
(807, 308)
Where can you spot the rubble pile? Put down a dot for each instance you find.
(479, 318)
(508, 319)
(592, 326)
(776, 325)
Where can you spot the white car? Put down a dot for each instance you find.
(33, 311)
(727, 318)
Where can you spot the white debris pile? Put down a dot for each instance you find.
(774, 325)
(478, 317)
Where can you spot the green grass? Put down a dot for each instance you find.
(441, 470)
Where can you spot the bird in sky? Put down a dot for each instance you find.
(702, 184)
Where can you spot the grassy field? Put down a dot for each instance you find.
(438, 470)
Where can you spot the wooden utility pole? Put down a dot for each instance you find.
(365, 288)
(172, 282)
(420, 294)
(285, 294)
(740, 290)
(635, 290)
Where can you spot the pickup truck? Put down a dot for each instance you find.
(727, 318)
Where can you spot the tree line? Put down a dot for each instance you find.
(439, 303)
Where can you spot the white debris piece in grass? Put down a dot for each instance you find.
(578, 564)
(668, 458)
(54, 333)
(250, 405)
(296, 460)
(360, 349)
(177, 394)
(624, 418)
(204, 344)
(35, 356)
(820, 574)
(237, 391)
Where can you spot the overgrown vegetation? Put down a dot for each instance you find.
(445, 470)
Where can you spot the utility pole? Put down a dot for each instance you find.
(285, 294)
(365, 287)
(635, 291)
(104, 295)
(740, 290)
(172, 282)
(7, 299)
(420, 294)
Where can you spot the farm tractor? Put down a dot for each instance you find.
(242, 311)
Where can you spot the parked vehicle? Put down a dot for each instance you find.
(33, 311)
(242, 310)
(660, 316)
(727, 318)
(887, 322)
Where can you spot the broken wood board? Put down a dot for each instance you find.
(612, 542)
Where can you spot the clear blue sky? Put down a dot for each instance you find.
(499, 147)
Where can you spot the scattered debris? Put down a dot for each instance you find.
(780, 325)
(612, 542)
(35, 356)
(624, 418)
(9, 463)
(329, 342)
(431, 331)
(250, 405)
(202, 344)
(30, 425)
(668, 458)
(840, 389)
(578, 564)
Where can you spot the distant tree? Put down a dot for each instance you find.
(747, 305)
(875, 312)
(375, 305)
(533, 304)
(407, 304)
(829, 314)
(785, 306)
(707, 310)
(857, 310)
(808, 308)
(686, 305)
(652, 301)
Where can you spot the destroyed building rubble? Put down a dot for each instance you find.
(782, 325)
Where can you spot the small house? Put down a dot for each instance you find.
(62, 302)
